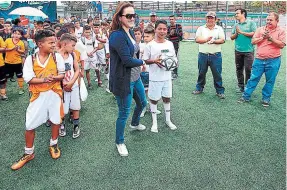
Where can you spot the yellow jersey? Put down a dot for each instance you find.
(2, 45)
(13, 57)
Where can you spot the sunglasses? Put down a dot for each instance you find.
(130, 16)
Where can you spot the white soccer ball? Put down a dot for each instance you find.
(169, 62)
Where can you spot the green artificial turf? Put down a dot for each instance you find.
(219, 144)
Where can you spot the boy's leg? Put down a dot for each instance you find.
(166, 96)
(56, 113)
(34, 118)
(75, 106)
(88, 76)
(154, 94)
(54, 149)
(98, 74)
(3, 81)
(19, 74)
(29, 150)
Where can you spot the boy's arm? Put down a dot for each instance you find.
(21, 48)
(61, 68)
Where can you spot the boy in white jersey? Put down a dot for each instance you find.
(148, 37)
(92, 47)
(160, 84)
(101, 39)
(70, 83)
(78, 29)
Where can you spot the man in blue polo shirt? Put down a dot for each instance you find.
(243, 32)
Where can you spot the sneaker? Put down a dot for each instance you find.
(265, 103)
(158, 112)
(76, 131)
(221, 96)
(12, 80)
(21, 91)
(154, 129)
(108, 90)
(55, 151)
(62, 131)
(242, 100)
(197, 92)
(143, 112)
(4, 97)
(122, 149)
(140, 127)
(170, 125)
(96, 80)
(22, 161)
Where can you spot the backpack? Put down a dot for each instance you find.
(84, 41)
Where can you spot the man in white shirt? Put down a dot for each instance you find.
(210, 37)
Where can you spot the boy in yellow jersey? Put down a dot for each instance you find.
(44, 72)
(71, 86)
(3, 80)
(13, 60)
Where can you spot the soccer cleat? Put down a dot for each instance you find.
(170, 125)
(22, 161)
(4, 97)
(197, 92)
(242, 100)
(21, 91)
(221, 96)
(122, 149)
(76, 131)
(154, 129)
(140, 127)
(55, 151)
(265, 103)
(62, 131)
(12, 80)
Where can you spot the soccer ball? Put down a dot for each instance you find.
(169, 62)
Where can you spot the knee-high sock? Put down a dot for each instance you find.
(153, 108)
(167, 111)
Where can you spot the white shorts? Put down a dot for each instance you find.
(91, 63)
(101, 56)
(48, 105)
(72, 100)
(158, 89)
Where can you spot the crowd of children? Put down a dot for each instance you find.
(60, 56)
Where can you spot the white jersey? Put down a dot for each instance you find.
(89, 44)
(70, 72)
(154, 50)
(79, 32)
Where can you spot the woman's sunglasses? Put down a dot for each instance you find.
(130, 16)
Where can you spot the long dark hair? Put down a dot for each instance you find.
(116, 24)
